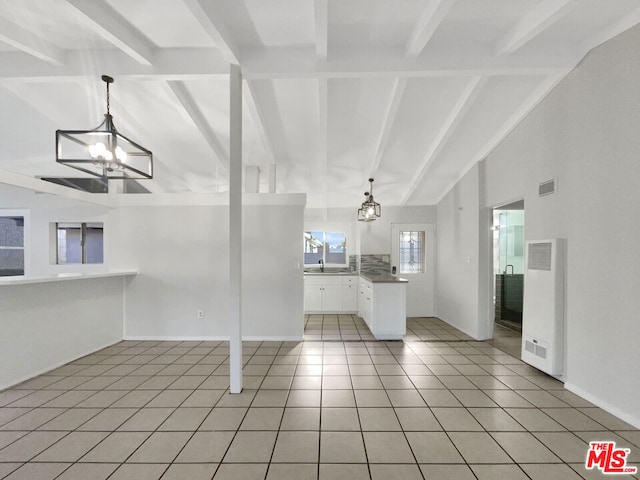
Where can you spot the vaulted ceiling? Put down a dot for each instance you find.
(410, 92)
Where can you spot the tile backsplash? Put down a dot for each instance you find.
(376, 264)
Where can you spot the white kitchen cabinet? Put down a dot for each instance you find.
(350, 294)
(365, 295)
(313, 295)
(327, 293)
(382, 305)
(332, 298)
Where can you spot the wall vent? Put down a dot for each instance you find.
(547, 188)
(539, 256)
(534, 347)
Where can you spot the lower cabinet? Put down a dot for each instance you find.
(330, 294)
(383, 307)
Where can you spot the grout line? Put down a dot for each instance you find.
(374, 351)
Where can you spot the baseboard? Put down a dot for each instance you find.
(473, 335)
(54, 366)
(630, 419)
(291, 338)
(178, 338)
(175, 338)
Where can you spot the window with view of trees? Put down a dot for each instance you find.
(328, 247)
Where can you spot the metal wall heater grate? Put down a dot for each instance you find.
(543, 306)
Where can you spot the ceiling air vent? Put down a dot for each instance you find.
(547, 188)
(539, 256)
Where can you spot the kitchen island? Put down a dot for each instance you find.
(380, 299)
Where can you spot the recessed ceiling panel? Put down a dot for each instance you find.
(477, 23)
(31, 150)
(421, 116)
(357, 110)
(54, 21)
(584, 24)
(170, 26)
(372, 23)
(282, 23)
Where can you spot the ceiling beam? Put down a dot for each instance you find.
(457, 114)
(115, 29)
(427, 24)
(321, 24)
(189, 63)
(209, 15)
(192, 111)
(397, 91)
(27, 42)
(538, 19)
(169, 64)
(275, 63)
(257, 114)
(210, 18)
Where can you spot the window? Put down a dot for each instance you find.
(412, 252)
(328, 247)
(11, 246)
(79, 243)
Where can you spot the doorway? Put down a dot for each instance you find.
(508, 275)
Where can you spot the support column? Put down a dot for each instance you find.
(235, 229)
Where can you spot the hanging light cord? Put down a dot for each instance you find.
(107, 79)
(108, 100)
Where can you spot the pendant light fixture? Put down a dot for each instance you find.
(370, 209)
(103, 151)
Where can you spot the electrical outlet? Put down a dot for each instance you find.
(200, 313)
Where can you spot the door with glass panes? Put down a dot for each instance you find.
(413, 256)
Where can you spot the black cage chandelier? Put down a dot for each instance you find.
(103, 151)
(370, 209)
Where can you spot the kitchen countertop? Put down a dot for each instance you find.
(382, 278)
(21, 280)
(371, 277)
(317, 271)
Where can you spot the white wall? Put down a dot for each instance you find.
(46, 325)
(182, 253)
(585, 135)
(375, 237)
(457, 264)
(367, 238)
(334, 220)
(45, 209)
(603, 209)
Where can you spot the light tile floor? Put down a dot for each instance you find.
(436, 406)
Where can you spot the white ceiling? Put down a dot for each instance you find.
(410, 92)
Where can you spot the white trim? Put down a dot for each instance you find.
(206, 338)
(615, 411)
(473, 335)
(56, 365)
